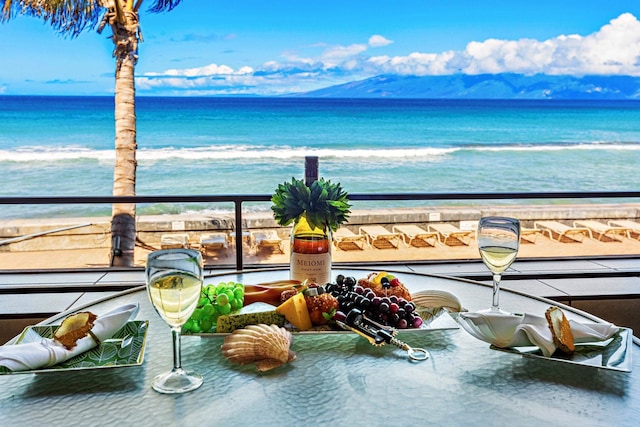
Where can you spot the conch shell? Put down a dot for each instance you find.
(265, 345)
(430, 303)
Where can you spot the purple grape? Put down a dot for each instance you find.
(389, 310)
(383, 307)
(350, 282)
(340, 316)
(394, 318)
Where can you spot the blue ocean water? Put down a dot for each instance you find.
(63, 146)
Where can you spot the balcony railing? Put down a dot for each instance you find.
(239, 200)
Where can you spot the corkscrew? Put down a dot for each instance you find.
(379, 335)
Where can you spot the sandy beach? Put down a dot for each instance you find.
(538, 245)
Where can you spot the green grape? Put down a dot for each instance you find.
(209, 310)
(222, 299)
(236, 304)
(225, 309)
(206, 325)
(195, 328)
(198, 314)
(211, 292)
(229, 293)
(189, 325)
(215, 300)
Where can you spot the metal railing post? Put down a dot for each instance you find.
(239, 236)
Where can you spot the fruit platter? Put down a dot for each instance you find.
(380, 298)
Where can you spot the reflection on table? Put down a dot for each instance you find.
(337, 379)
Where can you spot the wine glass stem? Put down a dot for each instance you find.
(495, 304)
(177, 357)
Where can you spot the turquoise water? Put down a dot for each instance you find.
(63, 146)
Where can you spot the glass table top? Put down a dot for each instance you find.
(337, 379)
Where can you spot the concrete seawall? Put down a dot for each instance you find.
(94, 232)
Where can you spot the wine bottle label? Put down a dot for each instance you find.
(315, 267)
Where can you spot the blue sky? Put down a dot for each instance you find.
(270, 48)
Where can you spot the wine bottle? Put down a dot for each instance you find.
(310, 252)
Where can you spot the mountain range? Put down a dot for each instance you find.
(487, 86)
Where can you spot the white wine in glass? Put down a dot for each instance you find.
(498, 242)
(174, 284)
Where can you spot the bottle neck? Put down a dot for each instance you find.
(310, 170)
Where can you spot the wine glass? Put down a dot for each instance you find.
(498, 242)
(174, 283)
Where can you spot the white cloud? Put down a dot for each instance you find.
(207, 70)
(336, 55)
(614, 49)
(379, 41)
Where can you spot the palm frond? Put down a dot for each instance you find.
(65, 16)
(72, 17)
(163, 5)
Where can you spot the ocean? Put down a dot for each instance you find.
(63, 146)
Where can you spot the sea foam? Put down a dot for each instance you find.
(249, 152)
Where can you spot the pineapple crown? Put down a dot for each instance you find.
(324, 203)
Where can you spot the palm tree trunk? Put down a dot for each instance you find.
(123, 221)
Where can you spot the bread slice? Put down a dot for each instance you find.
(560, 330)
(73, 328)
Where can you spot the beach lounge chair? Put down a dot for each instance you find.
(267, 239)
(632, 226)
(469, 226)
(213, 242)
(245, 238)
(561, 232)
(416, 236)
(528, 235)
(174, 241)
(451, 235)
(601, 231)
(347, 240)
(379, 237)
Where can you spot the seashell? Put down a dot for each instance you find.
(265, 345)
(430, 303)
